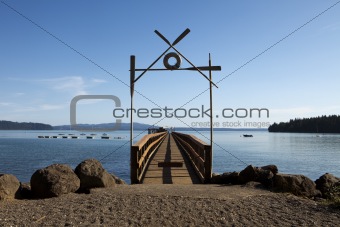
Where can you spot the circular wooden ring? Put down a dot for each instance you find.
(172, 55)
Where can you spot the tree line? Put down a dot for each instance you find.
(323, 124)
(10, 125)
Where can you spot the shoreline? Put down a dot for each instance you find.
(170, 205)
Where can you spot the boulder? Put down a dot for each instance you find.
(215, 178)
(53, 181)
(9, 187)
(296, 184)
(333, 194)
(225, 178)
(325, 182)
(256, 174)
(271, 168)
(92, 175)
(265, 177)
(250, 173)
(25, 191)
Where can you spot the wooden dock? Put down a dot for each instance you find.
(170, 166)
(170, 158)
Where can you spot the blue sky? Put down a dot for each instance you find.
(39, 75)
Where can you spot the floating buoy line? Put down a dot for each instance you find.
(83, 136)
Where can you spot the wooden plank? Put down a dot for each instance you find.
(162, 170)
(170, 164)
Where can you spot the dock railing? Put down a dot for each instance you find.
(199, 153)
(140, 155)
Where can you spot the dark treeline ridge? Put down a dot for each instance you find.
(10, 125)
(323, 124)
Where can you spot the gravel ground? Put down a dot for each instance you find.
(170, 205)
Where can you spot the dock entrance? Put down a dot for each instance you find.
(170, 158)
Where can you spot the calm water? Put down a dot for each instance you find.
(22, 153)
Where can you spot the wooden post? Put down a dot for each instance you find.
(134, 165)
(207, 163)
(133, 153)
(211, 126)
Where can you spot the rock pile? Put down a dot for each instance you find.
(269, 177)
(58, 179)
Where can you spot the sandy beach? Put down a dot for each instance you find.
(170, 205)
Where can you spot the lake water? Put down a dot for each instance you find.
(22, 152)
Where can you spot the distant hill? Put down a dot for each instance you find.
(10, 125)
(140, 126)
(323, 124)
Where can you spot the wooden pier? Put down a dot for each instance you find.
(170, 158)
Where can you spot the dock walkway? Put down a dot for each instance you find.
(170, 166)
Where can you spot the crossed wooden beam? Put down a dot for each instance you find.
(172, 46)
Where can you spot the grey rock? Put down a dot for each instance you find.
(272, 168)
(25, 191)
(9, 187)
(256, 174)
(250, 173)
(265, 177)
(53, 181)
(325, 182)
(299, 185)
(92, 175)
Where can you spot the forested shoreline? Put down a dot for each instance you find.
(10, 125)
(323, 124)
